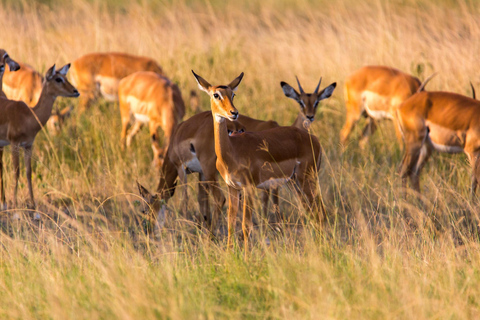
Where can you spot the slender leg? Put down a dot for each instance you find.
(369, 129)
(232, 213)
(276, 206)
(2, 190)
(182, 175)
(352, 119)
(219, 200)
(133, 131)
(247, 218)
(265, 194)
(203, 202)
(28, 169)
(16, 169)
(158, 151)
(425, 152)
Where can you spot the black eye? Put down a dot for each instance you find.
(230, 132)
(216, 96)
(233, 96)
(58, 80)
(241, 131)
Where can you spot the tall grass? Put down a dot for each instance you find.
(380, 255)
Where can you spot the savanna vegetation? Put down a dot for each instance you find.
(380, 254)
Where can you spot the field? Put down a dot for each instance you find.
(381, 254)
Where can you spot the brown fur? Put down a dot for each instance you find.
(390, 86)
(5, 61)
(156, 97)
(97, 74)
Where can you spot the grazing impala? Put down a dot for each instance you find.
(4, 61)
(441, 121)
(20, 124)
(375, 92)
(98, 74)
(258, 159)
(153, 99)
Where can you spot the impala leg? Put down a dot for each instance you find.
(202, 197)
(219, 200)
(423, 156)
(182, 175)
(2, 190)
(247, 218)
(352, 119)
(475, 163)
(157, 149)
(125, 121)
(275, 203)
(28, 169)
(16, 170)
(368, 130)
(133, 131)
(232, 214)
(265, 194)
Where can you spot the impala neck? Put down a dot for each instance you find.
(44, 106)
(168, 175)
(223, 147)
(299, 121)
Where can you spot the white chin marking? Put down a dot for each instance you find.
(219, 119)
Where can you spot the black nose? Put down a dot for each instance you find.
(310, 118)
(234, 114)
(76, 93)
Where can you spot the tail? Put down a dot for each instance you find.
(473, 91)
(424, 83)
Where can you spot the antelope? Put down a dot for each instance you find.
(13, 66)
(99, 74)
(153, 99)
(26, 85)
(20, 124)
(375, 92)
(261, 159)
(441, 121)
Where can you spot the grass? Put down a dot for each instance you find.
(380, 255)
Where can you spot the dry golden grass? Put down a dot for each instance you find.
(379, 256)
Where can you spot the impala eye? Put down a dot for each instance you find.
(59, 80)
(216, 96)
(233, 96)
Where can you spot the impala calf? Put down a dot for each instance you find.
(20, 124)
(375, 92)
(99, 74)
(4, 61)
(153, 99)
(257, 159)
(441, 121)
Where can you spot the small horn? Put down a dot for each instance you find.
(299, 86)
(473, 91)
(424, 83)
(318, 86)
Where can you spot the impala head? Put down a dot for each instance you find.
(57, 83)
(221, 97)
(154, 208)
(234, 128)
(6, 60)
(308, 101)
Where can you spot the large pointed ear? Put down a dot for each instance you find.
(144, 192)
(327, 92)
(202, 83)
(11, 64)
(64, 69)
(50, 73)
(234, 84)
(289, 91)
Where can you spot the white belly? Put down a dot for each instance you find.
(447, 149)
(141, 117)
(372, 98)
(108, 87)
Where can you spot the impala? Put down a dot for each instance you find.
(98, 74)
(261, 159)
(441, 121)
(6, 60)
(375, 92)
(20, 124)
(153, 99)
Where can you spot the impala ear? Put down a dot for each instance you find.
(234, 84)
(289, 91)
(144, 192)
(202, 83)
(64, 69)
(327, 92)
(11, 64)
(50, 73)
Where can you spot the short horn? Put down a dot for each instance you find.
(299, 86)
(318, 86)
(474, 96)
(424, 83)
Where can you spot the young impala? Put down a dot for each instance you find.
(20, 124)
(375, 92)
(99, 74)
(153, 99)
(441, 121)
(258, 159)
